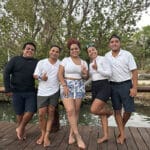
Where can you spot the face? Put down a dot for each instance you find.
(114, 44)
(92, 52)
(54, 53)
(74, 50)
(29, 51)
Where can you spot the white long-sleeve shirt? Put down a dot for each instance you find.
(103, 69)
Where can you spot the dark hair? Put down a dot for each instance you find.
(56, 46)
(114, 36)
(29, 43)
(73, 41)
(90, 45)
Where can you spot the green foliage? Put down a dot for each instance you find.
(1, 79)
(140, 46)
(53, 22)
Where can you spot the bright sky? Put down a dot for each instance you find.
(145, 20)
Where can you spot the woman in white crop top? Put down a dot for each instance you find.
(72, 70)
(100, 71)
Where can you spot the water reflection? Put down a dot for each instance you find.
(141, 118)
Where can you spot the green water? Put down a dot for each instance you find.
(141, 118)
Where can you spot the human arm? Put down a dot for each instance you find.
(133, 90)
(84, 70)
(104, 68)
(134, 72)
(62, 80)
(42, 77)
(38, 73)
(7, 76)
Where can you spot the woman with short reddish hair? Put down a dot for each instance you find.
(72, 71)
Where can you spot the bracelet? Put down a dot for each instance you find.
(39, 78)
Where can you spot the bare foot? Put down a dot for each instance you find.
(102, 140)
(40, 140)
(46, 142)
(120, 140)
(24, 136)
(19, 134)
(80, 142)
(119, 136)
(71, 139)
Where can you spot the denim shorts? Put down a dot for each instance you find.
(101, 90)
(24, 102)
(44, 101)
(120, 96)
(76, 89)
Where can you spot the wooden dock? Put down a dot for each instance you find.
(136, 138)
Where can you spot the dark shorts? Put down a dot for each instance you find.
(24, 102)
(101, 90)
(44, 101)
(120, 96)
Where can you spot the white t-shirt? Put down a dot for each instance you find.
(103, 69)
(51, 86)
(71, 70)
(121, 65)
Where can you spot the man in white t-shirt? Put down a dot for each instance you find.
(48, 92)
(123, 83)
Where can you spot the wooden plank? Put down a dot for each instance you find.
(85, 133)
(56, 139)
(120, 146)
(105, 144)
(59, 136)
(19, 144)
(8, 132)
(4, 126)
(145, 136)
(129, 140)
(64, 141)
(148, 130)
(140, 88)
(138, 139)
(143, 88)
(8, 135)
(91, 140)
(112, 144)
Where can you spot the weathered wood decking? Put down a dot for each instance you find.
(136, 138)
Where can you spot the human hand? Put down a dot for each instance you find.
(65, 91)
(94, 66)
(9, 94)
(133, 92)
(44, 77)
(84, 71)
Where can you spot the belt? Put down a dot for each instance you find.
(118, 83)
